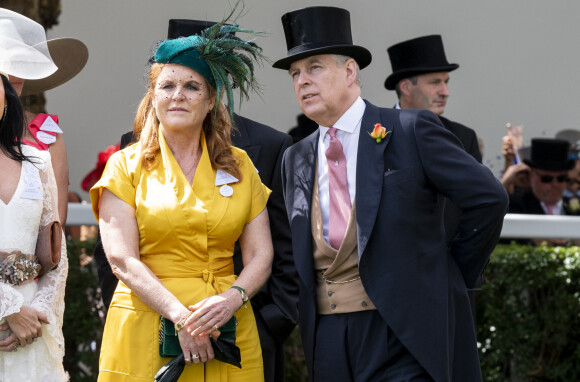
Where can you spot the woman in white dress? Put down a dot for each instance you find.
(31, 311)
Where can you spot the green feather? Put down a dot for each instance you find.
(230, 58)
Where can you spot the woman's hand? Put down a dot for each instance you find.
(9, 343)
(195, 349)
(27, 324)
(213, 312)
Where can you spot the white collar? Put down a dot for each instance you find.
(350, 119)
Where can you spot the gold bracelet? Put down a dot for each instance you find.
(181, 323)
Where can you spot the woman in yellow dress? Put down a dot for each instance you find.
(170, 210)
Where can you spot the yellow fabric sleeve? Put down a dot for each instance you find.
(117, 178)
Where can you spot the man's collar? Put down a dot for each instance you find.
(350, 119)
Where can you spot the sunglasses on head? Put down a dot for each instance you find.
(550, 178)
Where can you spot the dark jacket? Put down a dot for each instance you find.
(468, 138)
(418, 284)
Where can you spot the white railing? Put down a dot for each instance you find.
(514, 225)
(543, 226)
(80, 214)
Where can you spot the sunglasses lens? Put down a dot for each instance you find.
(550, 178)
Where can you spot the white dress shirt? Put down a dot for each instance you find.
(348, 131)
(557, 209)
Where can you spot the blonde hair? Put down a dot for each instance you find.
(216, 128)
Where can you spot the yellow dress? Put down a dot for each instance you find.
(186, 237)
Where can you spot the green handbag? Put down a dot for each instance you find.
(168, 340)
(225, 349)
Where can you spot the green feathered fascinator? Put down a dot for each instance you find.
(224, 59)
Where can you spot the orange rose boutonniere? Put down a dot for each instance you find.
(379, 133)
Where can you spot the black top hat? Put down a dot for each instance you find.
(417, 56)
(185, 28)
(320, 30)
(550, 155)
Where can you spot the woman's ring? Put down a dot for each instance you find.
(216, 328)
(194, 356)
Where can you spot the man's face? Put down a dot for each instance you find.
(430, 92)
(323, 88)
(548, 186)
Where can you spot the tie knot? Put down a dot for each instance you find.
(332, 132)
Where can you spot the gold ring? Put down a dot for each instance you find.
(216, 328)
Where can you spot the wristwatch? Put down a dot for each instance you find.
(242, 292)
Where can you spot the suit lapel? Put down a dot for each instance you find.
(304, 168)
(369, 174)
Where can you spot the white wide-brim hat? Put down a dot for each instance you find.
(23, 49)
(25, 53)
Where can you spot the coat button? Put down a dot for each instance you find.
(363, 304)
(330, 293)
(333, 306)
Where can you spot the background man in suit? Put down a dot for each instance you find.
(382, 297)
(549, 165)
(275, 305)
(420, 78)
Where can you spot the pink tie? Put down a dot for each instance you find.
(338, 190)
(550, 208)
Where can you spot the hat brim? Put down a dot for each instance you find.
(25, 62)
(361, 55)
(394, 78)
(551, 166)
(70, 56)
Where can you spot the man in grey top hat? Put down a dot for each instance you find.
(420, 78)
(381, 295)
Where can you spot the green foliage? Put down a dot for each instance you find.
(294, 357)
(83, 314)
(529, 314)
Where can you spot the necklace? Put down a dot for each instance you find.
(195, 162)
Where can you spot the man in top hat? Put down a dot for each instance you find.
(420, 77)
(382, 297)
(275, 305)
(549, 164)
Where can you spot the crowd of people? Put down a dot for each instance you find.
(369, 227)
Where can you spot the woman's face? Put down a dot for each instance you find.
(181, 97)
(17, 84)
